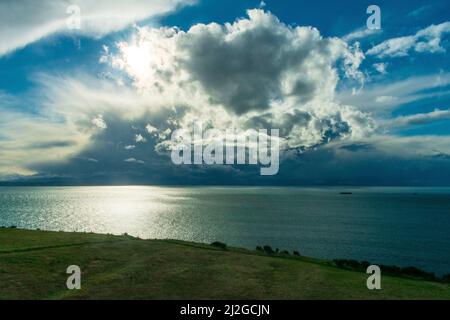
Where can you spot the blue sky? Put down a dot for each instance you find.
(72, 102)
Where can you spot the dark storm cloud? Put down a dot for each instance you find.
(355, 147)
(52, 144)
(247, 65)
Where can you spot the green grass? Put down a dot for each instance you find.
(33, 265)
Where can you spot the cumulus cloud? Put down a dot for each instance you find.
(99, 122)
(151, 129)
(139, 138)
(25, 21)
(425, 40)
(253, 72)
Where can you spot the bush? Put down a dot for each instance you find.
(393, 270)
(296, 253)
(446, 278)
(268, 250)
(219, 245)
(349, 264)
(415, 272)
(259, 248)
(285, 252)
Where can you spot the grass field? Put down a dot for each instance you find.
(33, 266)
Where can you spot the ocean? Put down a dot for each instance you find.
(395, 226)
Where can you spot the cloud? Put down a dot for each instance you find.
(255, 71)
(275, 76)
(360, 34)
(379, 160)
(151, 129)
(421, 118)
(25, 21)
(387, 95)
(356, 147)
(71, 114)
(385, 99)
(421, 11)
(53, 144)
(28, 139)
(99, 122)
(139, 138)
(266, 61)
(381, 67)
(133, 160)
(425, 40)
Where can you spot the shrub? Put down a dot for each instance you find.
(296, 253)
(393, 270)
(348, 264)
(415, 272)
(268, 249)
(259, 248)
(219, 245)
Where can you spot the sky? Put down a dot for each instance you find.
(98, 102)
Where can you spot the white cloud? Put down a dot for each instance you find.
(71, 110)
(25, 21)
(385, 96)
(26, 139)
(385, 99)
(275, 76)
(413, 146)
(421, 11)
(139, 138)
(425, 40)
(255, 71)
(99, 122)
(360, 34)
(381, 67)
(151, 129)
(421, 118)
(133, 160)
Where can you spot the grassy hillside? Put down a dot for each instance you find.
(33, 265)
